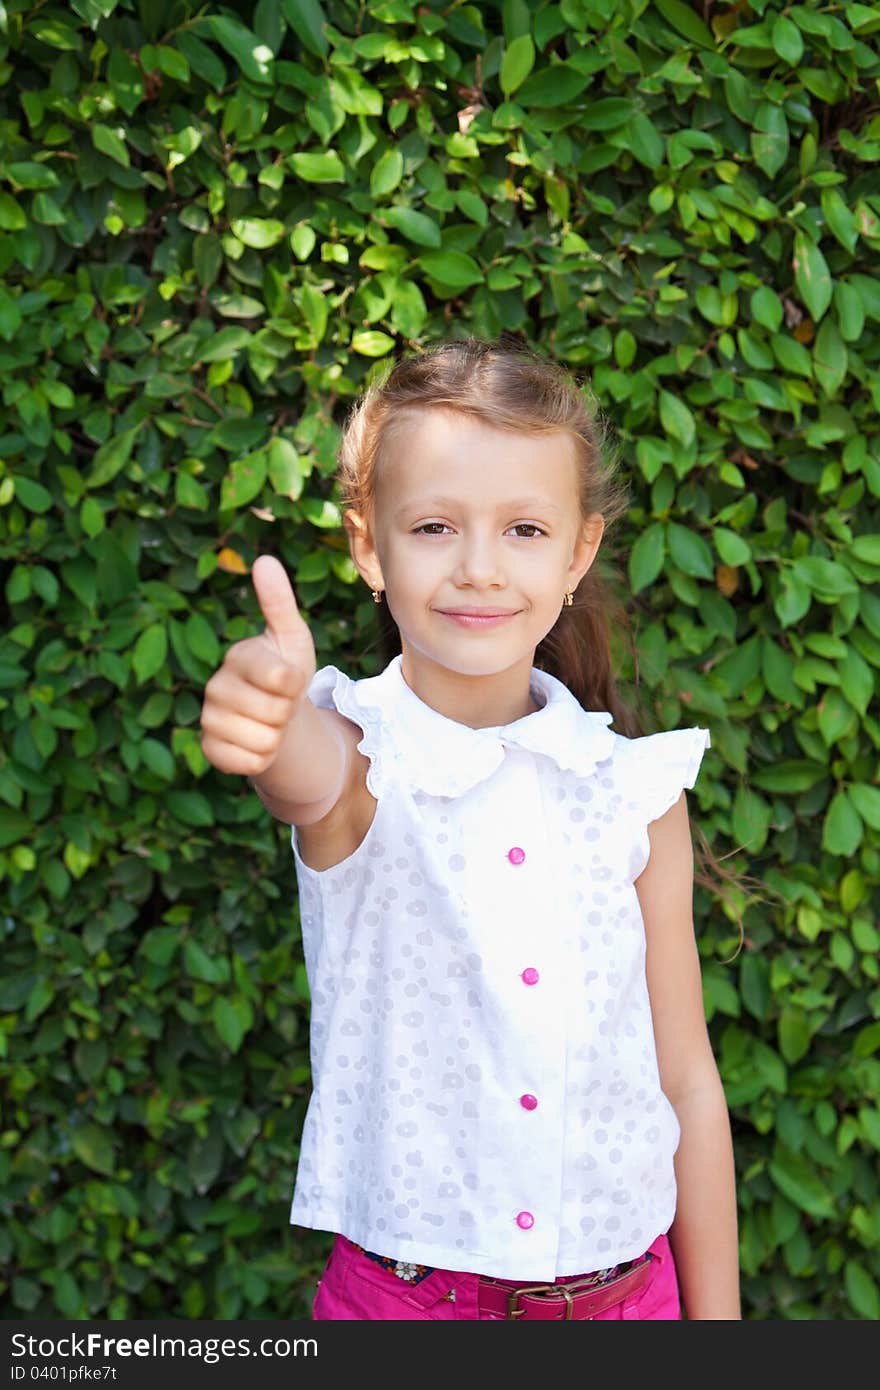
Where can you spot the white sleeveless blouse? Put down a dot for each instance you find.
(486, 1095)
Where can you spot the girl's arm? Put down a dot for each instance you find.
(703, 1235)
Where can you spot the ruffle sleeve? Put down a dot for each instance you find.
(661, 766)
(331, 688)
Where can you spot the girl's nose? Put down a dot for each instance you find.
(479, 562)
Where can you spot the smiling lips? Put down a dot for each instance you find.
(478, 617)
(467, 612)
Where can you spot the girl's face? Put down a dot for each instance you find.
(473, 519)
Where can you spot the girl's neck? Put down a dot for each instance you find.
(481, 701)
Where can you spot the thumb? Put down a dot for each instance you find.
(278, 605)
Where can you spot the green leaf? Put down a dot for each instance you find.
(798, 1180)
(416, 226)
(54, 33)
(647, 556)
(850, 311)
(857, 681)
(794, 1034)
(556, 85)
(182, 144)
(201, 639)
(842, 830)
(150, 652)
(32, 495)
(111, 143)
(787, 41)
(29, 174)
(386, 174)
(307, 20)
(866, 800)
(158, 758)
(769, 139)
(766, 307)
(258, 232)
(839, 219)
(795, 775)
(812, 276)
(861, 1290)
(314, 309)
(302, 241)
(676, 418)
(829, 358)
(750, 820)
(517, 63)
(222, 346)
(201, 966)
(285, 470)
(125, 79)
(372, 343)
(834, 716)
(686, 22)
(93, 1145)
(689, 552)
(755, 985)
(207, 258)
(646, 142)
(732, 548)
(190, 807)
(12, 218)
(231, 1018)
(244, 480)
(454, 270)
(202, 59)
(318, 168)
(608, 113)
(112, 457)
(409, 313)
(824, 577)
(255, 60)
(14, 826)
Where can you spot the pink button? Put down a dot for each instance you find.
(530, 976)
(529, 1102)
(516, 855)
(525, 1220)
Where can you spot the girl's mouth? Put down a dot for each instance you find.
(477, 619)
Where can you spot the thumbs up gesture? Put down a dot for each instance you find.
(252, 698)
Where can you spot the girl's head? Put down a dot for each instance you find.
(473, 477)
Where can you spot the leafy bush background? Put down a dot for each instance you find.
(216, 221)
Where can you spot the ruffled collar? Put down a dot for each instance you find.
(446, 758)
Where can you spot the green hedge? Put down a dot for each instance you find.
(216, 222)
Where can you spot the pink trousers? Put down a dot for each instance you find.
(353, 1288)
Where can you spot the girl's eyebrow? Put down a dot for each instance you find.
(428, 504)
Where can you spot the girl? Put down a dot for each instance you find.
(516, 1111)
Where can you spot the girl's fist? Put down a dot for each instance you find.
(252, 698)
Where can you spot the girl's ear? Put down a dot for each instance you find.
(586, 547)
(362, 549)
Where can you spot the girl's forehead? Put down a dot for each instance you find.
(427, 446)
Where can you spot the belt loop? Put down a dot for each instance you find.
(630, 1308)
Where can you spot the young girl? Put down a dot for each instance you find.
(516, 1111)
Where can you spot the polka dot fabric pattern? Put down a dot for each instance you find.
(450, 978)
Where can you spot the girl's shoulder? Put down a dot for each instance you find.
(654, 769)
(367, 703)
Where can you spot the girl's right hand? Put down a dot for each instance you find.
(262, 683)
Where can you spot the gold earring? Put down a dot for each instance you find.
(377, 595)
(569, 599)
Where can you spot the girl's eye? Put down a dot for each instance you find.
(520, 525)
